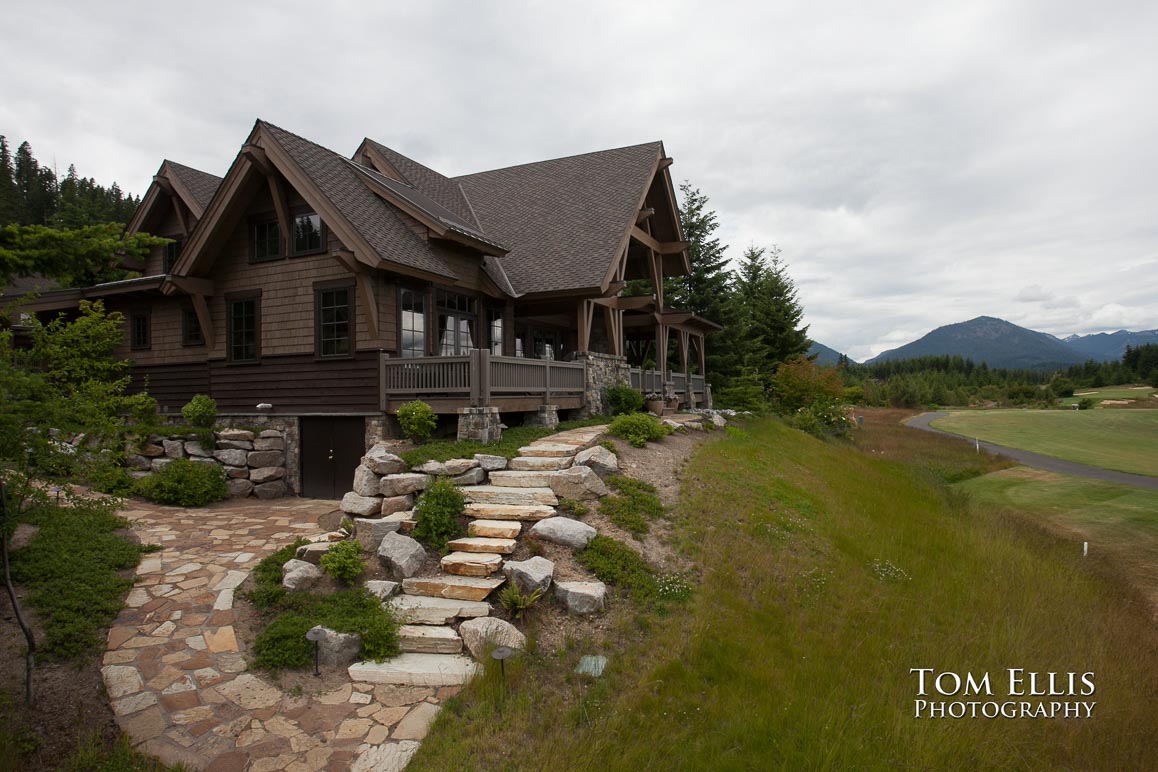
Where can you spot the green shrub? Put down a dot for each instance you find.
(821, 419)
(417, 420)
(184, 483)
(343, 561)
(142, 410)
(111, 479)
(638, 429)
(267, 590)
(617, 564)
(623, 400)
(201, 411)
(1087, 403)
(609, 445)
(633, 506)
(516, 601)
(283, 645)
(437, 514)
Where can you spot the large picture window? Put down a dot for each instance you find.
(456, 323)
(244, 337)
(495, 328)
(413, 324)
(334, 314)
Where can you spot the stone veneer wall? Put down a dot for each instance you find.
(254, 463)
(479, 424)
(289, 427)
(377, 429)
(603, 370)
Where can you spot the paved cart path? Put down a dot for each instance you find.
(179, 686)
(1039, 461)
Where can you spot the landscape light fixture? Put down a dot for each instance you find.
(316, 634)
(502, 654)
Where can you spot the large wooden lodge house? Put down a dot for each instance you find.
(320, 292)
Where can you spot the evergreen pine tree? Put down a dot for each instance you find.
(9, 198)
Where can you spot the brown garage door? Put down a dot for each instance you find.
(332, 448)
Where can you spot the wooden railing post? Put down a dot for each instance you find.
(474, 377)
(547, 382)
(484, 357)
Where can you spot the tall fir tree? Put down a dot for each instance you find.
(706, 290)
(9, 197)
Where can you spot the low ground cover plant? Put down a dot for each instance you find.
(343, 561)
(633, 505)
(638, 429)
(615, 563)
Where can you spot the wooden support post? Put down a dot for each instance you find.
(586, 312)
(484, 369)
(277, 193)
(547, 381)
(369, 300)
(180, 212)
(204, 320)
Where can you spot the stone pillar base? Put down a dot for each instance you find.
(480, 424)
(547, 417)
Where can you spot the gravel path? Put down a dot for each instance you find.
(1039, 461)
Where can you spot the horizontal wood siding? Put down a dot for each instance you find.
(170, 228)
(165, 330)
(297, 384)
(388, 312)
(171, 385)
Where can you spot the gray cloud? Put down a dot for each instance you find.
(919, 164)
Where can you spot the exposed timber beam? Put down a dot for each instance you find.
(662, 247)
(204, 320)
(192, 286)
(644, 214)
(257, 156)
(666, 162)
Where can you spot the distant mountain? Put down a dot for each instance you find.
(824, 354)
(996, 342)
(1109, 346)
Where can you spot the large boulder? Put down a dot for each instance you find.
(363, 506)
(599, 459)
(234, 445)
(135, 461)
(530, 575)
(581, 597)
(152, 450)
(365, 481)
(370, 531)
(267, 474)
(564, 530)
(338, 649)
(393, 504)
(237, 472)
(483, 635)
(235, 434)
(381, 589)
(401, 555)
(382, 461)
(230, 457)
(579, 483)
(401, 484)
(489, 463)
(267, 443)
(273, 489)
(238, 488)
(312, 552)
(449, 468)
(265, 458)
(474, 476)
(195, 448)
(719, 421)
(299, 575)
(157, 464)
(173, 448)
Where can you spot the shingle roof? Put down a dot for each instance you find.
(377, 222)
(438, 187)
(563, 219)
(201, 185)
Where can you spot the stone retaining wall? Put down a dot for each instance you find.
(254, 463)
(603, 371)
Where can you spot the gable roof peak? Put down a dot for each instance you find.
(657, 144)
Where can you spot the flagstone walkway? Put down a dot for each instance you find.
(178, 683)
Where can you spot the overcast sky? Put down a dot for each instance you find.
(917, 165)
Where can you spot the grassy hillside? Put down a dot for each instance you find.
(1114, 392)
(1123, 440)
(825, 574)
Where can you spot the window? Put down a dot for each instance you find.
(172, 252)
(307, 234)
(191, 329)
(495, 326)
(333, 314)
(456, 321)
(139, 330)
(413, 324)
(244, 338)
(266, 241)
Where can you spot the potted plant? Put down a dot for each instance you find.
(654, 402)
(672, 402)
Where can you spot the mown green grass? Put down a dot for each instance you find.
(512, 440)
(1119, 522)
(1112, 392)
(1122, 440)
(825, 575)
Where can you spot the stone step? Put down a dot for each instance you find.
(417, 670)
(483, 544)
(471, 563)
(548, 450)
(429, 639)
(537, 464)
(521, 479)
(510, 511)
(426, 610)
(491, 494)
(456, 587)
(494, 529)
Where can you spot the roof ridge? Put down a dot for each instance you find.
(657, 142)
(171, 162)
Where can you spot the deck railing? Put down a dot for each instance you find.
(479, 376)
(651, 381)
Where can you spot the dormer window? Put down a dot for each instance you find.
(172, 252)
(307, 234)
